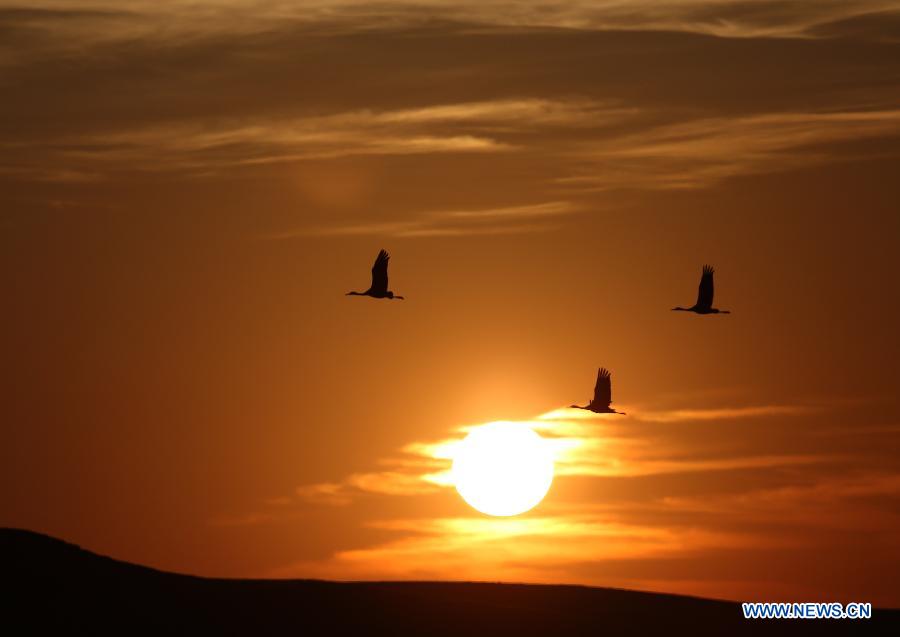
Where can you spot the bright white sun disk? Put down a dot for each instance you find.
(503, 468)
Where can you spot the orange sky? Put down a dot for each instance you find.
(187, 192)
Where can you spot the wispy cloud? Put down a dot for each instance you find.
(692, 153)
(449, 223)
(701, 152)
(647, 507)
(529, 549)
(184, 18)
(228, 85)
(244, 144)
(417, 469)
(204, 147)
(583, 444)
(727, 413)
(332, 493)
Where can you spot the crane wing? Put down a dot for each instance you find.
(379, 273)
(603, 388)
(705, 292)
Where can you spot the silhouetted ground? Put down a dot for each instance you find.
(58, 586)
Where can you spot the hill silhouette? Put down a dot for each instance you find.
(58, 586)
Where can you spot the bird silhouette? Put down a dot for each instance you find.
(704, 296)
(602, 395)
(379, 287)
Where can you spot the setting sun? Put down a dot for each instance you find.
(503, 468)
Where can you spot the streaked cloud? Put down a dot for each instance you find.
(231, 86)
(800, 502)
(331, 493)
(692, 153)
(583, 445)
(412, 474)
(701, 152)
(591, 540)
(678, 415)
(197, 147)
(183, 18)
(203, 147)
(449, 223)
(530, 549)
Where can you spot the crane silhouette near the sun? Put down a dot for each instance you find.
(379, 287)
(704, 296)
(602, 395)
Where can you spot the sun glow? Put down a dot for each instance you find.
(503, 468)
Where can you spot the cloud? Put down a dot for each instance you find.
(204, 90)
(400, 481)
(585, 466)
(599, 446)
(721, 18)
(692, 153)
(205, 147)
(208, 145)
(866, 498)
(449, 223)
(728, 413)
(701, 152)
(638, 502)
(583, 445)
(392, 483)
(332, 493)
(521, 550)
